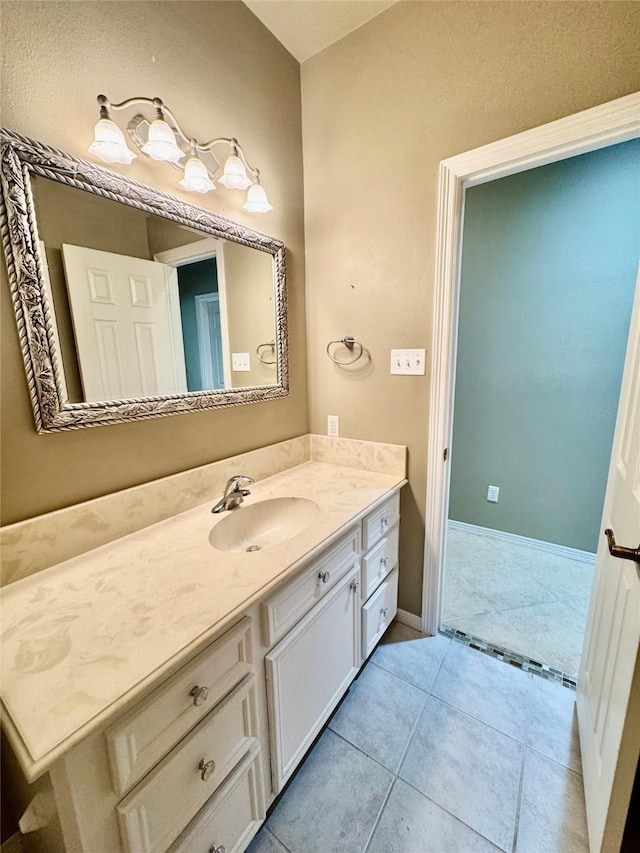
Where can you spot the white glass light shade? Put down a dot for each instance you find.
(235, 175)
(161, 144)
(196, 178)
(109, 143)
(257, 200)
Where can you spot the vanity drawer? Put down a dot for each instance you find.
(233, 814)
(381, 520)
(146, 733)
(378, 613)
(377, 564)
(165, 801)
(286, 607)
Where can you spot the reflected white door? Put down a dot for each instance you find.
(609, 682)
(126, 318)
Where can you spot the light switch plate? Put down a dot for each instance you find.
(408, 362)
(241, 362)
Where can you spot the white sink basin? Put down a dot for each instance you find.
(263, 524)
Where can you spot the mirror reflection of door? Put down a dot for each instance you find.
(126, 320)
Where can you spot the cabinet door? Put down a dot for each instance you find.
(308, 672)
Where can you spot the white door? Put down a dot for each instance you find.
(609, 682)
(127, 324)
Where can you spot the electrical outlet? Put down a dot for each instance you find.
(333, 425)
(241, 361)
(493, 493)
(408, 362)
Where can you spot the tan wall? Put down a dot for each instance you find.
(381, 108)
(249, 290)
(223, 74)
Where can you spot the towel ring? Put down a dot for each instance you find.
(349, 342)
(272, 346)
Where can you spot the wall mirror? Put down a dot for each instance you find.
(132, 303)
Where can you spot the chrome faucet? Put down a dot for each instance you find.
(233, 493)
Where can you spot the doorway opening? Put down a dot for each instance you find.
(611, 123)
(201, 291)
(548, 270)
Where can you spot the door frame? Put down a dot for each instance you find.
(209, 247)
(598, 127)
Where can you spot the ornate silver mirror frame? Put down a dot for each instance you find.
(19, 157)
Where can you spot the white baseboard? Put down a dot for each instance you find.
(409, 619)
(536, 544)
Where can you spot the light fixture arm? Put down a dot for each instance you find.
(139, 125)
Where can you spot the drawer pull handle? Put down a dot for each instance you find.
(199, 694)
(214, 849)
(384, 612)
(207, 768)
(353, 586)
(324, 576)
(384, 561)
(384, 522)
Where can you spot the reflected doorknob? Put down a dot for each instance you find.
(619, 551)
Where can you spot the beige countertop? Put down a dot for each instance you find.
(83, 639)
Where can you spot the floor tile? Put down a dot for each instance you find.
(561, 575)
(265, 842)
(333, 802)
(462, 598)
(486, 688)
(467, 767)
(531, 601)
(411, 823)
(555, 630)
(494, 627)
(553, 725)
(411, 656)
(507, 585)
(552, 815)
(379, 714)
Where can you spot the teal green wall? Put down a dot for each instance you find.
(194, 280)
(549, 265)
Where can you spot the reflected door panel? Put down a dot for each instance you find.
(127, 326)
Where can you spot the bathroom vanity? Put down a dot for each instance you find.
(160, 691)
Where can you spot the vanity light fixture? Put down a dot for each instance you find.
(163, 139)
(257, 201)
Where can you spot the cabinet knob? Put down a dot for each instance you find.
(214, 849)
(384, 522)
(384, 612)
(353, 585)
(199, 694)
(324, 576)
(384, 561)
(206, 769)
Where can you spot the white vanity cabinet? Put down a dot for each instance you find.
(309, 671)
(184, 762)
(194, 764)
(379, 572)
(356, 586)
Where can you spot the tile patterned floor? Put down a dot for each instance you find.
(531, 602)
(438, 748)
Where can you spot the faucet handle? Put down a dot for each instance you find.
(233, 484)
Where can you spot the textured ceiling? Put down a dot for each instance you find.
(306, 27)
